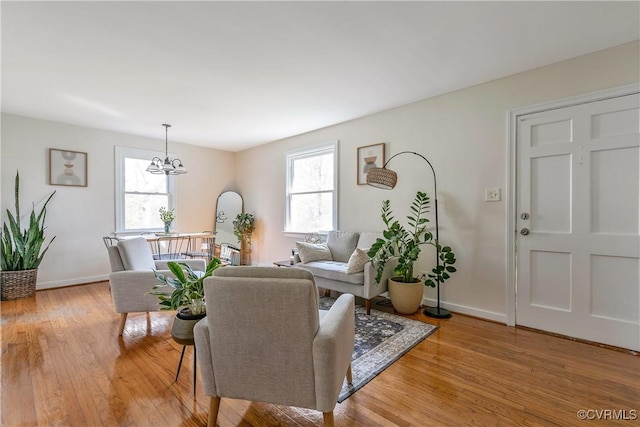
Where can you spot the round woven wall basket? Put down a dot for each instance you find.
(18, 284)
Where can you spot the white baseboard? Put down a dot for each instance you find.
(457, 308)
(471, 311)
(71, 282)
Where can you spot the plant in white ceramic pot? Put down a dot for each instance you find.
(405, 243)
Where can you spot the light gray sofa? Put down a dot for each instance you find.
(332, 275)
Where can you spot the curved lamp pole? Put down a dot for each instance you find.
(386, 179)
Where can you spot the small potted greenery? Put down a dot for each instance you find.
(21, 251)
(167, 216)
(406, 290)
(243, 227)
(184, 293)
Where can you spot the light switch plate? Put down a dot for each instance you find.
(492, 194)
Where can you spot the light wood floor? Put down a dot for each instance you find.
(62, 364)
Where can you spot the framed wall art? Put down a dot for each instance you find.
(369, 156)
(67, 168)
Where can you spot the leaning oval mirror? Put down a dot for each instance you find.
(228, 206)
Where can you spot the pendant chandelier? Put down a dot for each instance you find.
(166, 166)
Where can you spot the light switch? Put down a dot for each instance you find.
(492, 194)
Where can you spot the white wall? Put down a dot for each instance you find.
(464, 135)
(80, 216)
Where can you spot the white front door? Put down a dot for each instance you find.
(578, 207)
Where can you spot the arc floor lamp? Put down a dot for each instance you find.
(387, 179)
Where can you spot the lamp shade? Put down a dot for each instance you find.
(382, 178)
(153, 168)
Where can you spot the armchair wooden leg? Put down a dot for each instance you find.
(349, 375)
(328, 419)
(367, 304)
(123, 319)
(214, 407)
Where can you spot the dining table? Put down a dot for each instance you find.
(180, 245)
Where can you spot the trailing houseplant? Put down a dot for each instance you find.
(405, 243)
(22, 249)
(243, 227)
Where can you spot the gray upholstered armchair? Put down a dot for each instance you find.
(265, 340)
(132, 277)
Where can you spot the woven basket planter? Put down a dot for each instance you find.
(18, 284)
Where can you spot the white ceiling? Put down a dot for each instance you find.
(233, 75)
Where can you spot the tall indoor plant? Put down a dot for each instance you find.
(21, 250)
(405, 244)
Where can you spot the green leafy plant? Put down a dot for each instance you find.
(22, 249)
(401, 242)
(441, 273)
(404, 243)
(187, 287)
(243, 227)
(167, 215)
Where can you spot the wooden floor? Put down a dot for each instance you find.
(63, 365)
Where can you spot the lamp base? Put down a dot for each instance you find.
(437, 312)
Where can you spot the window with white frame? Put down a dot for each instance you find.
(140, 194)
(312, 177)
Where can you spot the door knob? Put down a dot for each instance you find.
(524, 231)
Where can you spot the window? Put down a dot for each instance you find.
(140, 194)
(311, 190)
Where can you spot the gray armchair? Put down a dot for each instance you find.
(132, 277)
(265, 340)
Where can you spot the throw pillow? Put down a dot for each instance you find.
(312, 252)
(342, 244)
(357, 260)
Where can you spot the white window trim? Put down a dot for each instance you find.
(120, 154)
(333, 145)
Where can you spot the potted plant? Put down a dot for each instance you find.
(406, 290)
(243, 227)
(167, 216)
(185, 295)
(21, 251)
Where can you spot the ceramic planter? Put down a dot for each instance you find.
(182, 330)
(405, 297)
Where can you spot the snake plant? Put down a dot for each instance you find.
(23, 249)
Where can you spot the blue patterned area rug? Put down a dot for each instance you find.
(381, 339)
